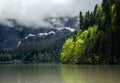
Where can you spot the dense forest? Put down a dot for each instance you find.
(98, 39)
(96, 42)
(32, 54)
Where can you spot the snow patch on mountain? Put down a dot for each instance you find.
(51, 32)
(42, 34)
(30, 35)
(45, 34)
(19, 43)
(67, 28)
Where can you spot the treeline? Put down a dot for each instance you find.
(30, 53)
(30, 56)
(98, 40)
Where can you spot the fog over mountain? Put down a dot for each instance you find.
(33, 13)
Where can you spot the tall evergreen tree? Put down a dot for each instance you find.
(94, 14)
(81, 21)
(99, 40)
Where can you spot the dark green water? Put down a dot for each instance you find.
(55, 73)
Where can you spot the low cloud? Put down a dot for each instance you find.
(34, 12)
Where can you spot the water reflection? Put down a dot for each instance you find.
(90, 74)
(30, 74)
(55, 73)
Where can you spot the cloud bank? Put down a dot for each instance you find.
(34, 12)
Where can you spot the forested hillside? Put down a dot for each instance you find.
(31, 44)
(98, 39)
(44, 50)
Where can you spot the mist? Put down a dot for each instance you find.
(33, 13)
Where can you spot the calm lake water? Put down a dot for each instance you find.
(56, 73)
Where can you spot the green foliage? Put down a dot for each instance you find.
(5, 57)
(67, 50)
(75, 51)
(48, 53)
(97, 41)
(43, 51)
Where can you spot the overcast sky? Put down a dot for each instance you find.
(33, 12)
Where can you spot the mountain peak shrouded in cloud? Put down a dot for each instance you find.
(34, 12)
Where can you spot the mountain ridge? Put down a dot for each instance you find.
(12, 36)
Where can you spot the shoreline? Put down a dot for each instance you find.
(23, 62)
(32, 62)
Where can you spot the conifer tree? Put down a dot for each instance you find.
(81, 21)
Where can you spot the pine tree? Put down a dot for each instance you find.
(87, 20)
(81, 21)
(95, 10)
(94, 13)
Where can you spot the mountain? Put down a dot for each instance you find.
(17, 36)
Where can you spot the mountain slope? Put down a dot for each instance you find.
(40, 44)
(13, 36)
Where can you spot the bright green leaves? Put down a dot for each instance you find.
(98, 41)
(74, 51)
(68, 50)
